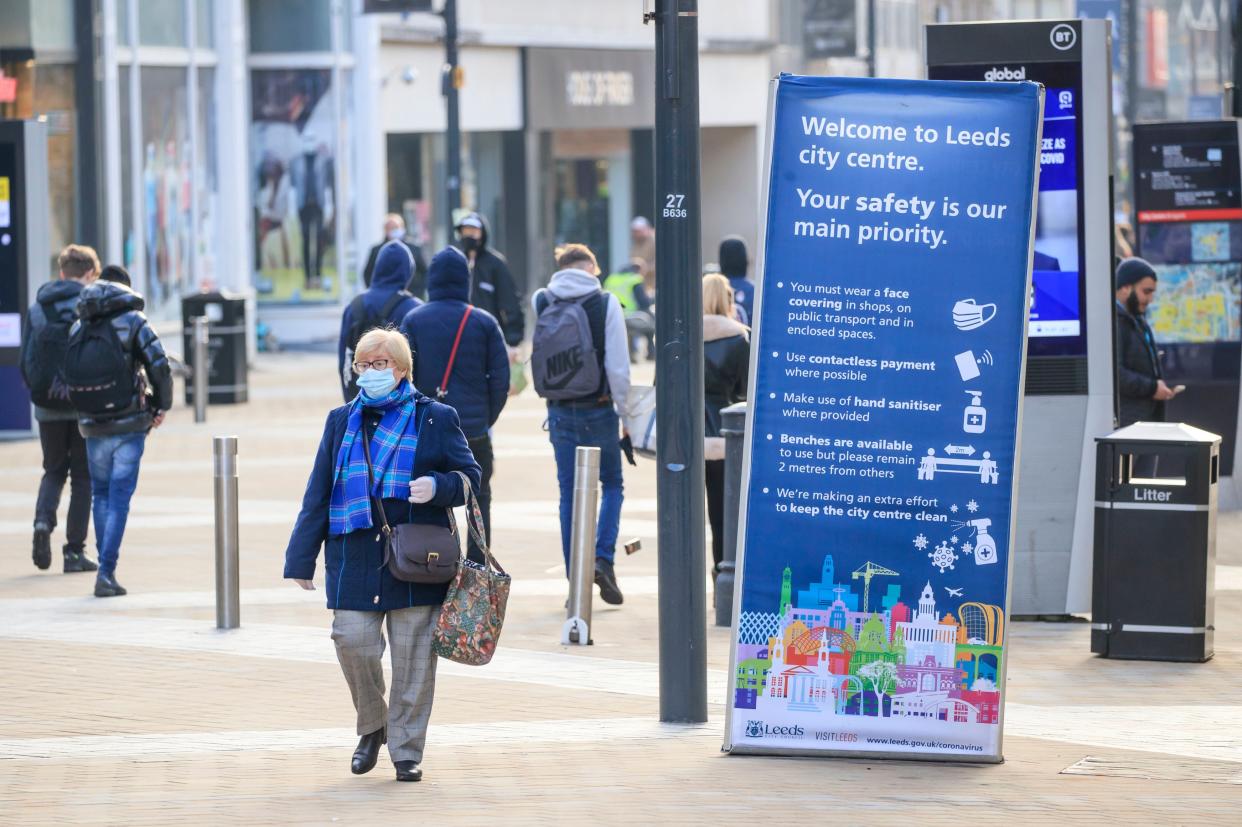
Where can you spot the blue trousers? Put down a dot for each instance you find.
(114, 462)
(569, 428)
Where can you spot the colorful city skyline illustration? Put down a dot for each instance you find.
(836, 648)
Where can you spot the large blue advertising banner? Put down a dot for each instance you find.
(882, 441)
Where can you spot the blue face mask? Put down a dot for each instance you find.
(377, 383)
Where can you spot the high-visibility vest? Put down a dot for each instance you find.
(622, 286)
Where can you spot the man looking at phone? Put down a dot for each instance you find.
(1141, 388)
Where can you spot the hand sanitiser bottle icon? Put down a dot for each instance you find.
(975, 417)
(985, 546)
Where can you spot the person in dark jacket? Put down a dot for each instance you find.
(416, 448)
(734, 264)
(394, 230)
(493, 287)
(1140, 378)
(726, 363)
(115, 440)
(383, 304)
(64, 452)
(478, 386)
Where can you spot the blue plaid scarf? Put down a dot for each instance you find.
(392, 459)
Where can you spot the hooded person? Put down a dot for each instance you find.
(493, 288)
(113, 333)
(580, 414)
(734, 262)
(460, 360)
(383, 304)
(1141, 387)
(45, 339)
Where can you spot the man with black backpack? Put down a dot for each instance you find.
(45, 338)
(580, 361)
(383, 304)
(460, 359)
(121, 385)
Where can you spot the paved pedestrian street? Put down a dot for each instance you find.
(136, 710)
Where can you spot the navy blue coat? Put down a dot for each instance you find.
(479, 385)
(393, 266)
(356, 577)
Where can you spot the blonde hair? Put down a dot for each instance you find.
(717, 296)
(392, 342)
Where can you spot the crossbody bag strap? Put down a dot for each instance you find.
(366, 452)
(442, 390)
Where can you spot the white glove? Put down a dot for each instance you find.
(422, 490)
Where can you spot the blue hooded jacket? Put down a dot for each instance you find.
(733, 264)
(392, 270)
(479, 385)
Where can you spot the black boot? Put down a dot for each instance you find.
(606, 579)
(76, 560)
(408, 771)
(368, 751)
(42, 546)
(106, 586)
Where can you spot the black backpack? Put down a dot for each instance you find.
(47, 359)
(358, 327)
(100, 376)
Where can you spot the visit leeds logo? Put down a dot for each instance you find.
(758, 729)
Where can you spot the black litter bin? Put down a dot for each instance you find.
(1155, 543)
(227, 375)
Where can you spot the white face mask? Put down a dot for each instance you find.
(395, 234)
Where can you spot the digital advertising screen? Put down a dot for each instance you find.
(1058, 292)
(1188, 199)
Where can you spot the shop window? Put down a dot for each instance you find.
(161, 23)
(290, 26)
(204, 23)
(166, 186)
(294, 180)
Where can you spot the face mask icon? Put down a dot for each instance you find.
(968, 315)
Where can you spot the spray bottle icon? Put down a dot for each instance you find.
(985, 546)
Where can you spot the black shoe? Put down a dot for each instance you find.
(42, 546)
(408, 771)
(606, 579)
(76, 561)
(106, 586)
(368, 752)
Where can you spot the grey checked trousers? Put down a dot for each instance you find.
(359, 643)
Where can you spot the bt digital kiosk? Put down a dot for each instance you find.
(1068, 398)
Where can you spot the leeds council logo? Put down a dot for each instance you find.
(754, 729)
(1063, 37)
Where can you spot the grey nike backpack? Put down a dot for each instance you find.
(564, 358)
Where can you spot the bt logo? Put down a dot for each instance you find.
(1063, 37)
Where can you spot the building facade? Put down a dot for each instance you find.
(255, 145)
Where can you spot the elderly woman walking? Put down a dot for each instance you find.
(390, 448)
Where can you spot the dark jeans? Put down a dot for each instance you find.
(114, 476)
(64, 457)
(714, 475)
(311, 217)
(481, 447)
(569, 428)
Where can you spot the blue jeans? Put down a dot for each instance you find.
(569, 428)
(114, 464)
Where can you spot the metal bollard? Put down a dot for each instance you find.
(733, 429)
(228, 597)
(200, 369)
(577, 628)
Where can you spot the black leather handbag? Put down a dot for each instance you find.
(417, 552)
